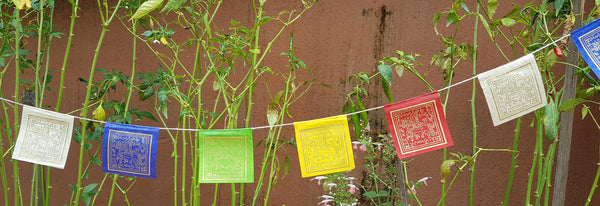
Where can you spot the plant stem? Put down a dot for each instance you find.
(63, 69)
(594, 186)
(473, 113)
(216, 192)
(112, 189)
(184, 161)
(540, 156)
(16, 179)
(548, 168)
(513, 162)
(84, 112)
(38, 56)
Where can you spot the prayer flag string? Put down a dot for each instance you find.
(290, 124)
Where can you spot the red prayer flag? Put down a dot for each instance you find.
(418, 125)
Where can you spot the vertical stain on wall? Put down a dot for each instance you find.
(380, 34)
(381, 48)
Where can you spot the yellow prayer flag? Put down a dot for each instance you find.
(324, 146)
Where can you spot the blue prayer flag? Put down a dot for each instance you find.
(587, 40)
(129, 150)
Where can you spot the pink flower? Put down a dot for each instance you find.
(424, 180)
(324, 202)
(326, 196)
(363, 148)
(355, 144)
(331, 185)
(350, 178)
(318, 178)
(352, 189)
(412, 191)
(378, 145)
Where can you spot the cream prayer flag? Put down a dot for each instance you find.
(324, 146)
(44, 137)
(513, 90)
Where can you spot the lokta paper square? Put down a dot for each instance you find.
(129, 150)
(513, 90)
(226, 156)
(44, 137)
(587, 40)
(324, 146)
(418, 125)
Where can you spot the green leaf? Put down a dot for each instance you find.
(436, 19)
(146, 8)
(286, 166)
(371, 194)
(486, 25)
(445, 168)
(570, 104)
(96, 160)
(492, 5)
(452, 18)
(551, 120)
(364, 76)
(399, 70)
(173, 5)
(508, 22)
(73, 187)
(216, 85)
(558, 4)
(584, 111)
(163, 93)
(87, 146)
(87, 189)
(86, 198)
(141, 114)
(383, 193)
(272, 116)
(464, 6)
(386, 72)
(255, 51)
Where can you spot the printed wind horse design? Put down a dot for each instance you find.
(418, 125)
(130, 150)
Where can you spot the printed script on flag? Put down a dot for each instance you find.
(129, 150)
(587, 40)
(418, 125)
(513, 90)
(226, 156)
(324, 146)
(44, 137)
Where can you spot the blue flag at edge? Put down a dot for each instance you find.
(587, 40)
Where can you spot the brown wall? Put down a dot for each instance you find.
(335, 39)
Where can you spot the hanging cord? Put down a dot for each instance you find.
(289, 124)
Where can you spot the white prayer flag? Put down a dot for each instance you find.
(513, 90)
(44, 137)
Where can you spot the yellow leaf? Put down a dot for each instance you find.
(164, 41)
(22, 4)
(98, 114)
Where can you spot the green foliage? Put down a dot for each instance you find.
(146, 8)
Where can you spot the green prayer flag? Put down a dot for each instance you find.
(226, 156)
